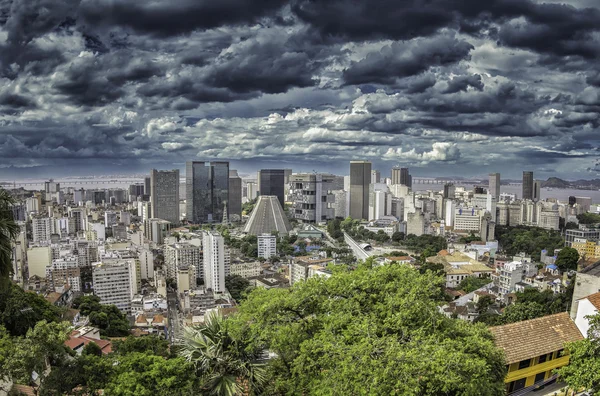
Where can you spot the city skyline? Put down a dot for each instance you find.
(456, 89)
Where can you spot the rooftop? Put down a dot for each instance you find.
(594, 299)
(535, 337)
(593, 269)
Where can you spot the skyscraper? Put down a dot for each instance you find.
(147, 186)
(213, 261)
(375, 176)
(164, 191)
(207, 191)
(537, 186)
(401, 176)
(272, 182)
(360, 178)
(494, 185)
(527, 192)
(234, 207)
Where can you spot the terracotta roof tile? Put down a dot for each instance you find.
(594, 299)
(535, 337)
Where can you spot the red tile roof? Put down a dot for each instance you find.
(594, 299)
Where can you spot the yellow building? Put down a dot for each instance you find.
(587, 249)
(533, 348)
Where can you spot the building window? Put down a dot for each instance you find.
(524, 364)
(543, 358)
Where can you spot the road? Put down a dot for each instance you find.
(175, 317)
(359, 252)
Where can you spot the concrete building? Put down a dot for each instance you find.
(586, 306)
(64, 271)
(183, 255)
(38, 258)
(267, 217)
(303, 268)
(581, 233)
(527, 188)
(312, 197)
(537, 187)
(267, 246)
(156, 230)
(494, 185)
(207, 191)
(509, 275)
(234, 206)
(214, 261)
(146, 258)
(549, 220)
(164, 195)
(41, 229)
(588, 282)
(116, 281)
(467, 219)
(246, 269)
(401, 176)
(360, 178)
(340, 203)
(271, 182)
(375, 176)
(417, 223)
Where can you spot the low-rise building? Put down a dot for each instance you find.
(534, 348)
(459, 266)
(302, 268)
(245, 269)
(587, 306)
(587, 249)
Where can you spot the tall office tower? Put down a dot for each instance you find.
(251, 191)
(164, 192)
(234, 206)
(42, 228)
(147, 188)
(375, 176)
(135, 190)
(116, 281)
(207, 191)
(494, 185)
(537, 187)
(401, 176)
(360, 178)
(286, 183)
(572, 200)
(449, 191)
(214, 261)
(271, 182)
(312, 197)
(527, 192)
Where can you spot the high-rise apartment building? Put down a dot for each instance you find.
(164, 192)
(214, 261)
(360, 178)
(234, 207)
(312, 197)
(183, 255)
(494, 185)
(527, 189)
(272, 182)
(77, 220)
(42, 228)
(116, 281)
(267, 246)
(207, 191)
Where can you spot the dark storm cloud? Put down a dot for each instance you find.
(461, 83)
(404, 59)
(167, 17)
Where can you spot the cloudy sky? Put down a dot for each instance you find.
(446, 87)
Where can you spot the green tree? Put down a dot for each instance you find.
(226, 365)
(108, 318)
(398, 236)
(9, 230)
(369, 331)
(588, 218)
(92, 349)
(470, 283)
(583, 370)
(143, 374)
(567, 259)
(148, 344)
(21, 310)
(529, 240)
(522, 311)
(237, 287)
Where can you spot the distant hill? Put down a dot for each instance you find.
(555, 182)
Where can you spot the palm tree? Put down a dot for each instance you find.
(9, 230)
(226, 366)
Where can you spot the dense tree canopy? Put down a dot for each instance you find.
(567, 259)
(369, 331)
(528, 240)
(8, 232)
(108, 318)
(21, 310)
(237, 287)
(588, 218)
(471, 283)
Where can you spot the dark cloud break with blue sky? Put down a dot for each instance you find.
(446, 87)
